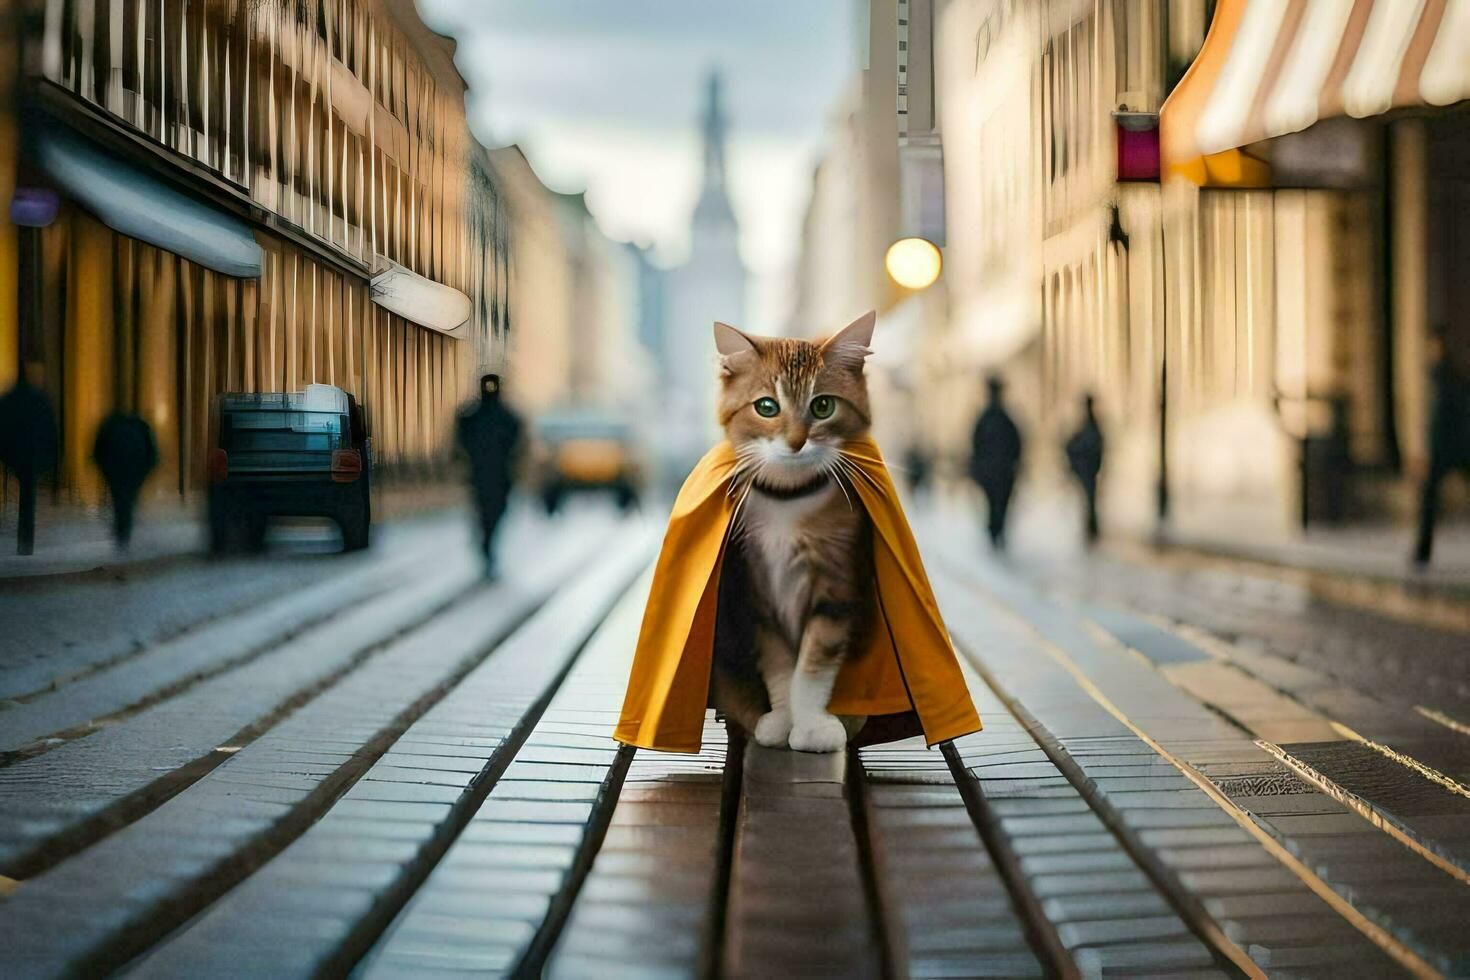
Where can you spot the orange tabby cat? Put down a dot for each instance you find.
(794, 589)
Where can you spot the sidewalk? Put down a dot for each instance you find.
(1365, 566)
(1380, 553)
(1373, 554)
(73, 540)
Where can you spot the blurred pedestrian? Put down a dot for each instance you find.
(1449, 443)
(1085, 456)
(126, 453)
(916, 462)
(28, 449)
(995, 459)
(490, 435)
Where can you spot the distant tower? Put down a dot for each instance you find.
(714, 237)
(713, 225)
(710, 286)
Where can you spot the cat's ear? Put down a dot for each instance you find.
(731, 344)
(729, 341)
(851, 343)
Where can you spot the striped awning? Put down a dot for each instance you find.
(1271, 67)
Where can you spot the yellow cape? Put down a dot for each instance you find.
(909, 672)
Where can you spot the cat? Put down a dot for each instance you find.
(796, 581)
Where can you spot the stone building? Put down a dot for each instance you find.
(574, 311)
(232, 196)
(1232, 222)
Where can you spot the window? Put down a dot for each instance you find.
(281, 432)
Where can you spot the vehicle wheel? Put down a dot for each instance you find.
(252, 532)
(219, 536)
(231, 536)
(230, 532)
(219, 524)
(551, 498)
(354, 531)
(627, 499)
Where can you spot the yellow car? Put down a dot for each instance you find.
(585, 452)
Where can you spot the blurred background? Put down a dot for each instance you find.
(1234, 224)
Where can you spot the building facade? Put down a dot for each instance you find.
(293, 178)
(538, 358)
(1054, 267)
(1231, 222)
(575, 301)
(1254, 318)
(855, 210)
(1328, 151)
(859, 206)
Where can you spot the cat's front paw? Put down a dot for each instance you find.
(821, 734)
(773, 728)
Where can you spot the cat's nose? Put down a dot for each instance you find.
(796, 440)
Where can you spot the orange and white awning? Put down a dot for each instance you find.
(1271, 67)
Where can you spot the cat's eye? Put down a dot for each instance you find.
(823, 406)
(767, 408)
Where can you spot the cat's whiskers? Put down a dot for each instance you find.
(747, 469)
(848, 467)
(854, 467)
(738, 477)
(746, 462)
(895, 467)
(831, 468)
(738, 513)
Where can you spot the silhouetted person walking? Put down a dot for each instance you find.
(1085, 456)
(28, 449)
(126, 453)
(1449, 446)
(995, 457)
(490, 434)
(916, 461)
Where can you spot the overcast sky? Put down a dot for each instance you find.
(605, 95)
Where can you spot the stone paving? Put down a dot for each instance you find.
(652, 904)
(495, 899)
(1100, 900)
(794, 839)
(423, 784)
(952, 911)
(482, 722)
(115, 900)
(1140, 795)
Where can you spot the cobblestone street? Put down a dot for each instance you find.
(401, 770)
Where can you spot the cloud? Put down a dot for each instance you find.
(645, 82)
(753, 22)
(606, 96)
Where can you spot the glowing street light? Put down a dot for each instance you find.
(913, 263)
